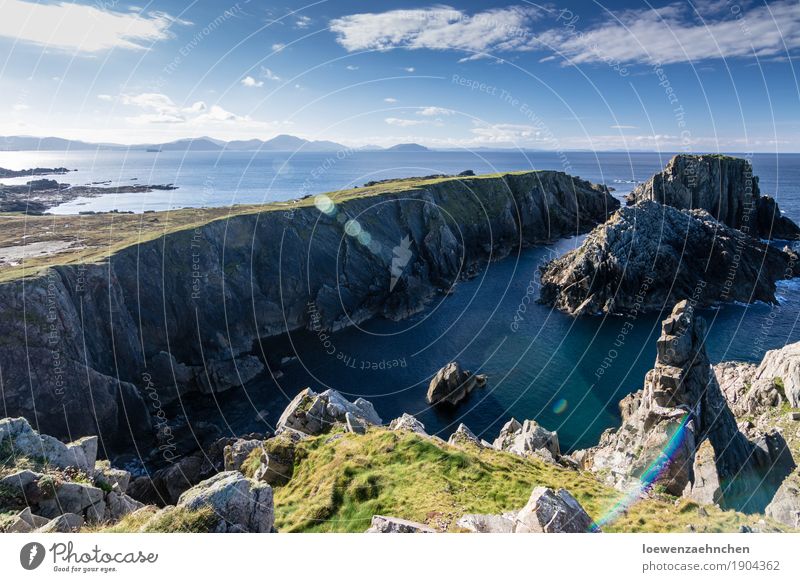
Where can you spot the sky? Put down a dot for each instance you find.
(706, 75)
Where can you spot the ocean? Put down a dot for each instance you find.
(566, 373)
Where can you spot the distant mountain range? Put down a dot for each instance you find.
(280, 143)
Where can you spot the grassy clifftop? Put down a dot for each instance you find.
(74, 239)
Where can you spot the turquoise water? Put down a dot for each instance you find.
(541, 364)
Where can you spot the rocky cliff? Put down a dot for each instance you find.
(649, 256)
(723, 186)
(679, 431)
(99, 348)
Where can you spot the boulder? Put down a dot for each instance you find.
(118, 505)
(312, 414)
(78, 498)
(785, 506)
(277, 465)
(26, 521)
(354, 424)
(242, 505)
(66, 523)
(384, 524)
(409, 423)
(111, 478)
(705, 488)
(553, 512)
(451, 384)
(782, 367)
(528, 438)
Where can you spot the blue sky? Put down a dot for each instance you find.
(703, 76)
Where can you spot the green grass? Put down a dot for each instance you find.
(338, 486)
(173, 520)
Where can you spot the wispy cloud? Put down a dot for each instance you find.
(623, 126)
(351, 68)
(269, 75)
(302, 22)
(158, 108)
(82, 28)
(434, 111)
(390, 100)
(438, 28)
(249, 81)
(676, 33)
(403, 122)
(278, 47)
(409, 69)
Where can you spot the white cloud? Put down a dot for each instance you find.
(507, 133)
(21, 107)
(438, 28)
(249, 81)
(622, 126)
(352, 68)
(105, 97)
(675, 33)
(433, 111)
(409, 69)
(82, 28)
(390, 100)
(269, 75)
(302, 22)
(278, 47)
(403, 122)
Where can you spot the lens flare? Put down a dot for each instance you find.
(649, 477)
(561, 406)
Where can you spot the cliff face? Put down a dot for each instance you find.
(649, 256)
(98, 348)
(678, 431)
(723, 186)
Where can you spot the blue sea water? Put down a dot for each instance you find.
(566, 373)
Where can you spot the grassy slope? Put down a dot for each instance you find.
(339, 484)
(95, 237)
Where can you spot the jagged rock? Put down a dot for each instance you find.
(488, 523)
(119, 505)
(451, 384)
(785, 506)
(277, 465)
(243, 505)
(783, 366)
(66, 523)
(26, 442)
(553, 512)
(650, 256)
(463, 436)
(112, 478)
(681, 406)
(78, 498)
(723, 186)
(354, 424)
(26, 521)
(529, 438)
(313, 413)
(408, 422)
(384, 524)
(236, 453)
(705, 487)
(20, 480)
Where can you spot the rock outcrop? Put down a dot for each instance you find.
(781, 369)
(528, 438)
(547, 511)
(665, 425)
(409, 423)
(145, 298)
(723, 186)
(310, 413)
(785, 506)
(64, 484)
(451, 384)
(241, 504)
(649, 256)
(384, 524)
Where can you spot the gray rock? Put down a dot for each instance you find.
(226, 374)
(66, 523)
(19, 480)
(639, 261)
(384, 524)
(450, 385)
(354, 424)
(721, 185)
(243, 505)
(236, 453)
(118, 505)
(488, 523)
(26, 442)
(312, 414)
(705, 488)
(409, 423)
(278, 463)
(528, 438)
(110, 477)
(463, 435)
(78, 498)
(785, 505)
(553, 512)
(783, 366)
